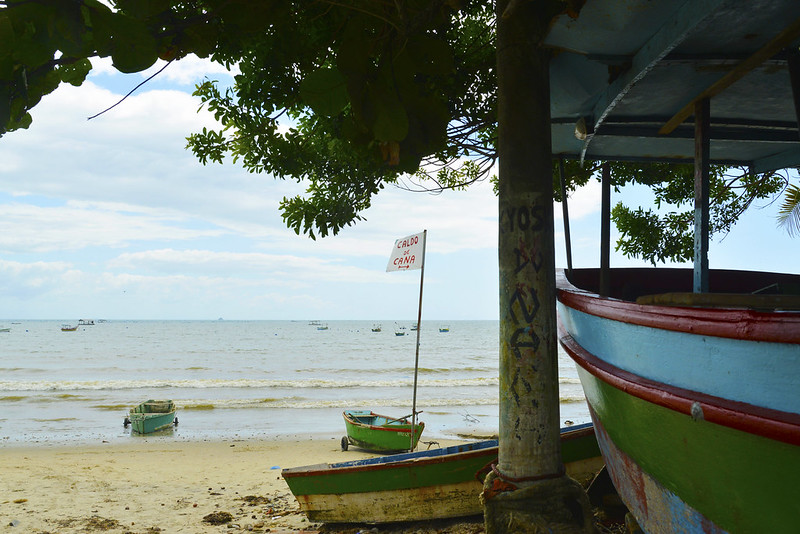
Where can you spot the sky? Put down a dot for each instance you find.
(113, 218)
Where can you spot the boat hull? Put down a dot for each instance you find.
(434, 484)
(151, 416)
(696, 409)
(380, 433)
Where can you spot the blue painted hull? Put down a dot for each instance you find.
(696, 408)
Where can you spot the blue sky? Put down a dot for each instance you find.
(113, 218)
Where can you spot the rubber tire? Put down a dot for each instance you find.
(345, 443)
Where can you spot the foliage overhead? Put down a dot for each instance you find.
(344, 96)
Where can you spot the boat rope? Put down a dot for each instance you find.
(505, 483)
(558, 474)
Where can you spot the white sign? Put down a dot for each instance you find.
(407, 254)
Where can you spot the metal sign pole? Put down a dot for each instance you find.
(416, 358)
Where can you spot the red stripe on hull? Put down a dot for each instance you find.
(772, 424)
(782, 327)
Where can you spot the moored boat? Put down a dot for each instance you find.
(423, 485)
(693, 395)
(68, 328)
(380, 433)
(152, 415)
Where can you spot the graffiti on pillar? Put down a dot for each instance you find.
(523, 224)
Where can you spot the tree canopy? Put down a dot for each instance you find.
(345, 96)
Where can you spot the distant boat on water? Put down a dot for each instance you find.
(5, 329)
(85, 322)
(376, 327)
(68, 328)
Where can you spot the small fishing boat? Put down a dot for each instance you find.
(376, 328)
(68, 328)
(151, 416)
(379, 433)
(423, 485)
(693, 395)
(444, 329)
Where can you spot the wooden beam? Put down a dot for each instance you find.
(702, 114)
(778, 43)
(605, 231)
(794, 78)
(565, 213)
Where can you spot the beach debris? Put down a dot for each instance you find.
(20, 501)
(218, 518)
(14, 523)
(101, 523)
(255, 500)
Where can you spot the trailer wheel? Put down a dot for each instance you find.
(344, 443)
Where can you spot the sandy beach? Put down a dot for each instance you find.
(157, 485)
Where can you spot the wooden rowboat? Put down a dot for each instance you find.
(694, 397)
(379, 433)
(151, 416)
(423, 485)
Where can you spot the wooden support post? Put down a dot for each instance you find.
(565, 213)
(605, 231)
(701, 192)
(794, 77)
(528, 490)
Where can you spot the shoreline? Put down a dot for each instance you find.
(161, 485)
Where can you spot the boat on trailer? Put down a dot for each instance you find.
(422, 485)
(694, 396)
(380, 433)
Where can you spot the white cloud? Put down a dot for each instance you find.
(189, 70)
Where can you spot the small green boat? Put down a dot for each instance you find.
(379, 433)
(151, 415)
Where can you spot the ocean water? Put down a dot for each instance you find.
(250, 379)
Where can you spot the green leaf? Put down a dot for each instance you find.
(75, 73)
(789, 214)
(133, 49)
(431, 55)
(324, 91)
(200, 38)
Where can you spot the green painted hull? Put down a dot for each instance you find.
(380, 433)
(151, 416)
(747, 483)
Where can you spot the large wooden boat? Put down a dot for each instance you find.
(423, 485)
(694, 396)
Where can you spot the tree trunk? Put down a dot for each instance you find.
(528, 490)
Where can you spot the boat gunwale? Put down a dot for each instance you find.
(732, 323)
(756, 420)
(419, 458)
(383, 462)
